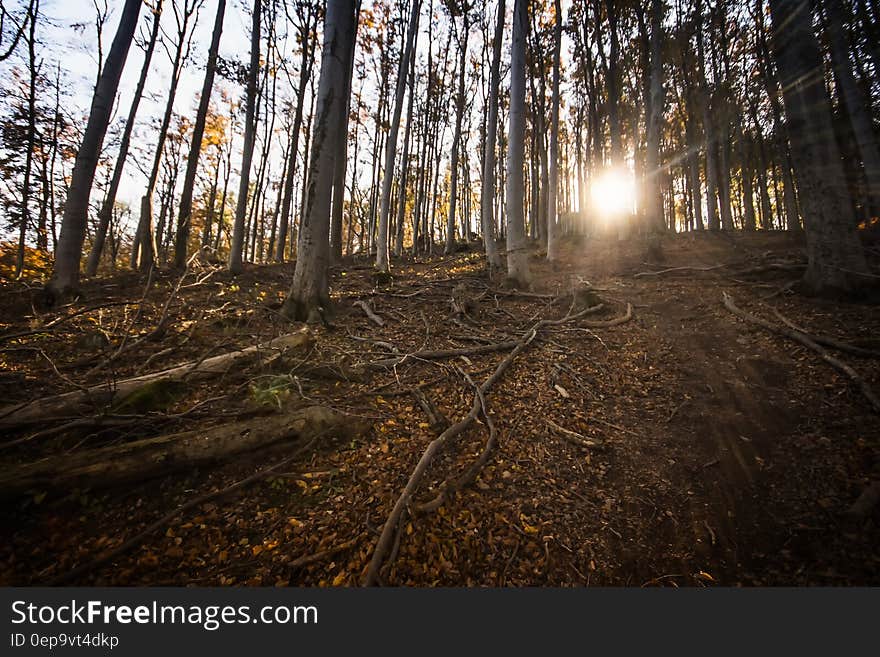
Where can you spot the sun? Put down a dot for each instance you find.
(612, 192)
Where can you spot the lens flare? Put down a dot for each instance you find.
(613, 193)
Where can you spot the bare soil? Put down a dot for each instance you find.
(727, 455)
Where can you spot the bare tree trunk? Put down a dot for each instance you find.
(653, 194)
(456, 139)
(857, 108)
(106, 212)
(65, 275)
(340, 166)
(30, 141)
(309, 297)
(836, 260)
(517, 253)
(236, 265)
(487, 193)
(404, 170)
(391, 141)
(552, 187)
(192, 163)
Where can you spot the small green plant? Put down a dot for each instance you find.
(272, 390)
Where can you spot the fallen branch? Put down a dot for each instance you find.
(102, 396)
(674, 269)
(372, 316)
(139, 538)
(60, 320)
(617, 321)
(153, 457)
(808, 342)
(571, 436)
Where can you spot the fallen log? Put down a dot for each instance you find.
(152, 457)
(808, 342)
(95, 398)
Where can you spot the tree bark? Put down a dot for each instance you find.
(184, 217)
(836, 260)
(65, 274)
(236, 264)
(309, 296)
(517, 253)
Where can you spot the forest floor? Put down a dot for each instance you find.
(722, 454)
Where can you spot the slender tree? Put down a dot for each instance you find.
(192, 163)
(517, 250)
(65, 274)
(309, 298)
(236, 264)
(105, 214)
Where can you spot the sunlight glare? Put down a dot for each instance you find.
(613, 192)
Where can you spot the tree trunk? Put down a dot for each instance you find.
(236, 265)
(653, 194)
(456, 140)
(309, 296)
(517, 253)
(106, 211)
(836, 260)
(65, 274)
(192, 163)
(553, 177)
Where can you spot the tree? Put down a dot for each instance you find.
(236, 265)
(459, 117)
(553, 179)
(309, 295)
(653, 194)
(391, 140)
(143, 254)
(517, 251)
(108, 206)
(836, 260)
(192, 163)
(65, 274)
(487, 192)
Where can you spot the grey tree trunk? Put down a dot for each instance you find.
(65, 274)
(143, 254)
(404, 169)
(653, 194)
(106, 212)
(487, 192)
(456, 141)
(192, 162)
(236, 265)
(391, 141)
(339, 169)
(857, 108)
(309, 296)
(553, 176)
(836, 260)
(305, 71)
(517, 253)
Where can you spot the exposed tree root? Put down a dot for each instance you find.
(392, 523)
(810, 343)
(87, 400)
(828, 341)
(368, 311)
(676, 269)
